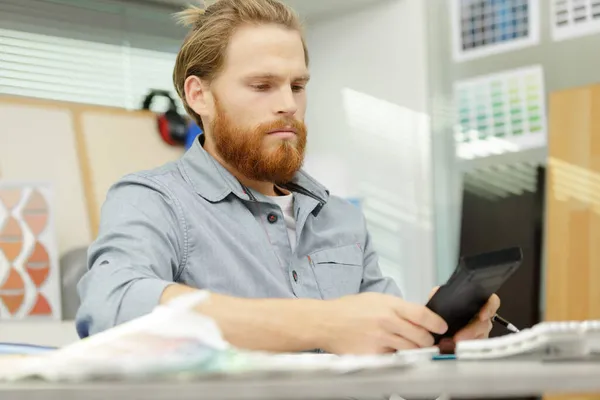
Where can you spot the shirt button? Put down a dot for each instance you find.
(272, 218)
(295, 275)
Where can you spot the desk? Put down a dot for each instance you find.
(466, 379)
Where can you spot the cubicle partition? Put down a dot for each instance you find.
(80, 150)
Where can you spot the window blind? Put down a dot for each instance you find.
(93, 52)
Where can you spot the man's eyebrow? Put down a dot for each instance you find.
(301, 78)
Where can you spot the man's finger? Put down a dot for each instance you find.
(422, 316)
(475, 330)
(485, 332)
(411, 332)
(469, 332)
(433, 291)
(491, 307)
(399, 343)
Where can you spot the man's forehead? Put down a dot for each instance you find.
(266, 49)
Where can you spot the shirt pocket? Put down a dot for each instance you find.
(338, 271)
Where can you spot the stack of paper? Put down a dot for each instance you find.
(176, 343)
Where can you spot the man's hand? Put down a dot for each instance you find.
(370, 323)
(481, 326)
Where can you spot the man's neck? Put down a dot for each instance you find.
(265, 188)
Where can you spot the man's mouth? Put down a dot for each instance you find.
(284, 133)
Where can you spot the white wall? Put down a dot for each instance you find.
(369, 133)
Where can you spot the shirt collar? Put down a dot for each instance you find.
(213, 182)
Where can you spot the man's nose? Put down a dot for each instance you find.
(287, 103)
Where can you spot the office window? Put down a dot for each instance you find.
(94, 52)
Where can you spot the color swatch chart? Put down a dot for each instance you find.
(485, 27)
(29, 275)
(499, 113)
(574, 18)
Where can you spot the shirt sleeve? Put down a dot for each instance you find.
(139, 251)
(373, 279)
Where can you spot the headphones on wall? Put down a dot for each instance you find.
(172, 126)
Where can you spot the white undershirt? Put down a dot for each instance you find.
(286, 203)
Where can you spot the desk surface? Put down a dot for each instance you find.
(465, 379)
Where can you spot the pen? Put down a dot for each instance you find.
(505, 323)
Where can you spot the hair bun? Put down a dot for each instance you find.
(191, 16)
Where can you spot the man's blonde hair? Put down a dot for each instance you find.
(203, 51)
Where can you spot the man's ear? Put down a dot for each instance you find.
(198, 96)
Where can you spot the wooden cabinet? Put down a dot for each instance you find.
(572, 227)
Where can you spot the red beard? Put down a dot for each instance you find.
(244, 148)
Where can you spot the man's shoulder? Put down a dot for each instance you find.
(163, 173)
(153, 178)
(149, 184)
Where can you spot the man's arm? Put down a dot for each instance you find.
(368, 323)
(138, 252)
(279, 325)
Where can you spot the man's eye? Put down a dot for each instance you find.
(261, 87)
(297, 88)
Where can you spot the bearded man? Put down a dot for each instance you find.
(288, 267)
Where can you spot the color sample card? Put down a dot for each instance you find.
(29, 271)
(486, 27)
(574, 18)
(500, 113)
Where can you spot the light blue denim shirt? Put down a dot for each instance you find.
(193, 223)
